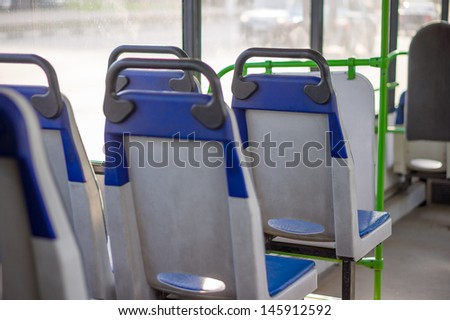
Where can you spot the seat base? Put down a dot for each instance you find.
(281, 273)
(191, 283)
(296, 226)
(426, 165)
(368, 221)
(284, 271)
(348, 264)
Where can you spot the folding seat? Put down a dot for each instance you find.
(171, 80)
(73, 174)
(181, 210)
(302, 166)
(427, 149)
(427, 115)
(40, 257)
(424, 158)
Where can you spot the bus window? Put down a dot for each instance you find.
(351, 28)
(413, 14)
(275, 23)
(229, 27)
(77, 36)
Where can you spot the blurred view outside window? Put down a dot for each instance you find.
(351, 28)
(413, 14)
(248, 23)
(77, 36)
(240, 24)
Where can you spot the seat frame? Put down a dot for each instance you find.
(152, 119)
(52, 250)
(287, 97)
(72, 171)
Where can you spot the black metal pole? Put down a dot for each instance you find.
(393, 35)
(444, 12)
(192, 28)
(348, 279)
(317, 25)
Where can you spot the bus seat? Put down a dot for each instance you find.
(428, 115)
(305, 169)
(427, 109)
(421, 156)
(417, 156)
(40, 257)
(181, 211)
(170, 80)
(73, 174)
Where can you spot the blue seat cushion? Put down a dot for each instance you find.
(296, 226)
(284, 271)
(368, 221)
(191, 282)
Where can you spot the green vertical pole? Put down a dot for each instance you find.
(382, 127)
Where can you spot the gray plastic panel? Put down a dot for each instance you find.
(428, 106)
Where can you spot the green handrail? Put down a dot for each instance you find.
(269, 65)
(396, 129)
(382, 127)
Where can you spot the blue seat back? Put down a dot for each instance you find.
(158, 155)
(72, 172)
(181, 209)
(302, 164)
(40, 258)
(294, 177)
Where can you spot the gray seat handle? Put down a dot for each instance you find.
(178, 52)
(212, 115)
(49, 104)
(183, 84)
(320, 93)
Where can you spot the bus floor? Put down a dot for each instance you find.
(416, 260)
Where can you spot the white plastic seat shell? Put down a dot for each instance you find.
(54, 262)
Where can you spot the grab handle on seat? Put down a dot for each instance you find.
(183, 84)
(319, 93)
(212, 115)
(49, 104)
